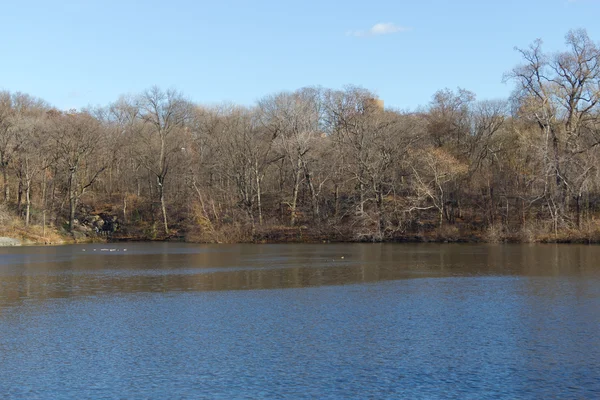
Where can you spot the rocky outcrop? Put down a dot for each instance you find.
(93, 223)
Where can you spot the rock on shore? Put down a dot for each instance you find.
(6, 241)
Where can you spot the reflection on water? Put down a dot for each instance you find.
(55, 272)
(340, 321)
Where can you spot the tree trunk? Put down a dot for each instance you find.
(361, 199)
(53, 197)
(492, 213)
(313, 194)
(561, 186)
(578, 210)
(337, 201)
(72, 207)
(163, 208)
(258, 196)
(295, 194)
(44, 204)
(379, 197)
(20, 197)
(72, 201)
(110, 182)
(27, 202)
(125, 209)
(6, 186)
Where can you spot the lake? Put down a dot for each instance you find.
(417, 321)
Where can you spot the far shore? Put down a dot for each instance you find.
(68, 240)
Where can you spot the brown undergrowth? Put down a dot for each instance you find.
(13, 227)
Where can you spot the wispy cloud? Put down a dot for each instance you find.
(382, 28)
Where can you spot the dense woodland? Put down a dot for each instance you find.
(316, 164)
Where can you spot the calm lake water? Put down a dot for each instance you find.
(343, 321)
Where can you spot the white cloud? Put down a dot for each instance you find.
(381, 28)
(386, 28)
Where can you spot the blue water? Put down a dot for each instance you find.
(471, 336)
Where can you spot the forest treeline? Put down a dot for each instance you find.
(318, 164)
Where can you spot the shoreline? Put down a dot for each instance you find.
(13, 242)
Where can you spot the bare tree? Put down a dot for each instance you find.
(294, 119)
(74, 140)
(7, 135)
(448, 118)
(433, 170)
(32, 152)
(560, 93)
(164, 114)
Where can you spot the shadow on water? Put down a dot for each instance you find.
(38, 273)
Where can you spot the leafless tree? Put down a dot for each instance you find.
(74, 140)
(164, 114)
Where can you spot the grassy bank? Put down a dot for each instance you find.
(12, 226)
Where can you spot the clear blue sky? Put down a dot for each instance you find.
(75, 53)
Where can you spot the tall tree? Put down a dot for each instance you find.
(560, 93)
(7, 136)
(164, 114)
(294, 120)
(74, 140)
